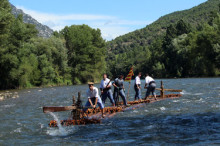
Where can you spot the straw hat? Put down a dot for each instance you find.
(90, 83)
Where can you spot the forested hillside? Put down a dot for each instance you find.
(181, 44)
(73, 56)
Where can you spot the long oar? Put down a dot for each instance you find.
(170, 90)
(58, 109)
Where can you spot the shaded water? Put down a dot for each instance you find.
(192, 119)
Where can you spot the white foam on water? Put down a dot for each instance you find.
(19, 124)
(1, 98)
(162, 108)
(135, 111)
(150, 127)
(175, 100)
(200, 100)
(188, 93)
(198, 93)
(41, 125)
(185, 93)
(39, 90)
(8, 105)
(57, 132)
(186, 101)
(18, 130)
(146, 110)
(215, 106)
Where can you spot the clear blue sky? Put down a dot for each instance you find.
(113, 17)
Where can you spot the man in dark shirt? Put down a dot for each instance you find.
(119, 90)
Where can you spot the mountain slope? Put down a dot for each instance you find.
(44, 31)
(145, 36)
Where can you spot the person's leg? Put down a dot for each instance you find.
(122, 94)
(153, 90)
(136, 93)
(101, 106)
(115, 96)
(147, 93)
(110, 96)
(139, 94)
(104, 96)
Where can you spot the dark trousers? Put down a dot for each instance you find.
(109, 95)
(120, 92)
(137, 93)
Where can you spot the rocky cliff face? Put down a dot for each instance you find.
(44, 31)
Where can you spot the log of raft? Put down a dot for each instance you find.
(58, 109)
(170, 90)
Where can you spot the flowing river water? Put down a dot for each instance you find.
(193, 119)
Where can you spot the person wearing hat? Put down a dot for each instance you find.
(150, 85)
(93, 98)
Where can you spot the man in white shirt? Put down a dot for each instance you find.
(106, 91)
(137, 87)
(93, 98)
(150, 85)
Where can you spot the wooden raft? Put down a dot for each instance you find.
(93, 116)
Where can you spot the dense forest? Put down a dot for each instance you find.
(73, 56)
(78, 53)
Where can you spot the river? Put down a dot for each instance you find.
(193, 119)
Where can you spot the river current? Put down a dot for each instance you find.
(193, 119)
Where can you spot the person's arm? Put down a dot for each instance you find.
(91, 102)
(109, 85)
(96, 100)
(138, 85)
(101, 90)
(145, 86)
(146, 82)
(115, 85)
(101, 87)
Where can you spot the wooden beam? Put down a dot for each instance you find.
(58, 109)
(170, 90)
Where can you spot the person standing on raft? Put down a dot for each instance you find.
(137, 87)
(106, 91)
(150, 85)
(119, 90)
(93, 98)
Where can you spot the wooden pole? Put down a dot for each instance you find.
(79, 102)
(162, 90)
(128, 90)
(77, 114)
(74, 101)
